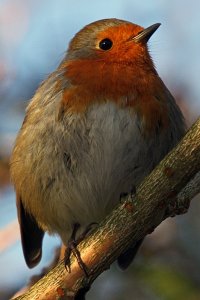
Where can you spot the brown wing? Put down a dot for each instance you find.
(31, 236)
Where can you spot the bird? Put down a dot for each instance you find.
(95, 128)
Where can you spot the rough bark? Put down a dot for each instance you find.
(158, 197)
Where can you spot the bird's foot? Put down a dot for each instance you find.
(72, 247)
(132, 193)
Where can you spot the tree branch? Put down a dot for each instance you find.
(132, 220)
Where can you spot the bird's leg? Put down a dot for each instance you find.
(72, 247)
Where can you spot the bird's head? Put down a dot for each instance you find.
(111, 40)
(109, 60)
(109, 55)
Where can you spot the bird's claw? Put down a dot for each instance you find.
(72, 248)
(131, 193)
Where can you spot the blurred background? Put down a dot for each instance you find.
(34, 35)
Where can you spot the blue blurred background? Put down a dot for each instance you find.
(33, 39)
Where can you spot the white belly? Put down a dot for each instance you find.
(77, 168)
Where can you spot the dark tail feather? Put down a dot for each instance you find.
(126, 258)
(31, 236)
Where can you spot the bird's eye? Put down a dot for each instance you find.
(105, 44)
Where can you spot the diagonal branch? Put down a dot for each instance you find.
(156, 198)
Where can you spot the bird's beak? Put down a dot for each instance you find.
(145, 34)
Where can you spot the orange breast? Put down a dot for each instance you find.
(138, 89)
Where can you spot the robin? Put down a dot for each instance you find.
(94, 129)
